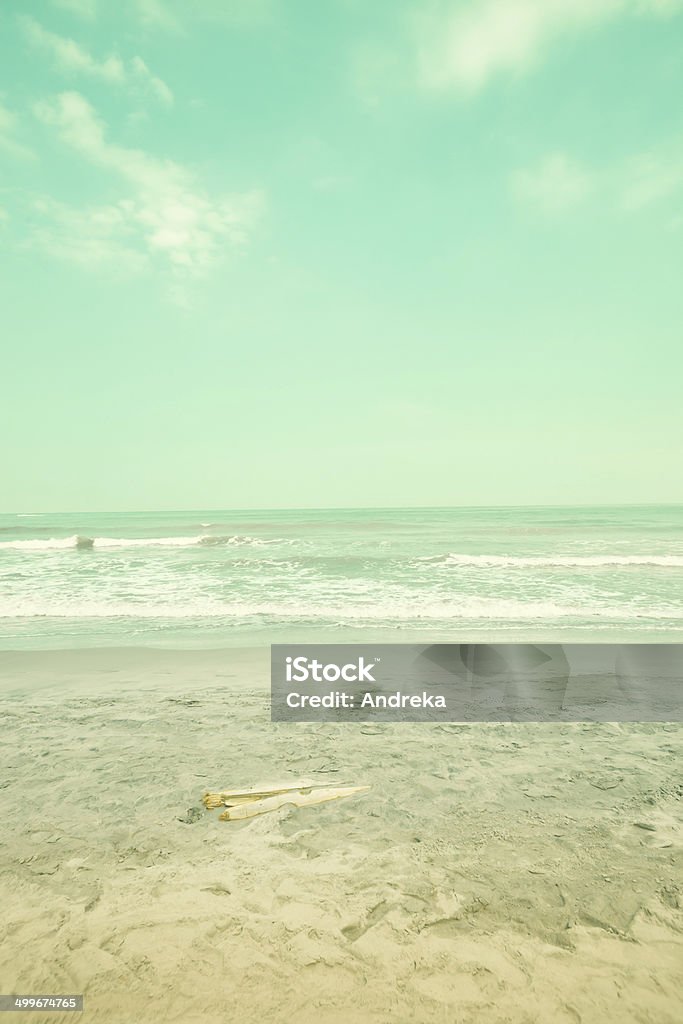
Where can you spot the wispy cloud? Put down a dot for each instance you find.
(177, 15)
(155, 84)
(157, 14)
(559, 183)
(651, 177)
(464, 45)
(73, 59)
(163, 216)
(81, 8)
(556, 184)
(92, 236)
(9, 144)
(154, 13)
(377, 70)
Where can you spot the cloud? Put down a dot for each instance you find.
(80, 127)
(650, 177)
(557, 184)
(178, 15)
(164, 216)
(90, 237)
(157, 14)
(82, 8)
(464, 45)
(156, 85)
(73, 59)
(377, 69)
(8, 143)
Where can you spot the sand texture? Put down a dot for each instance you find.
(494, 873)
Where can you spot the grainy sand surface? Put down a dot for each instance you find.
(494, 873)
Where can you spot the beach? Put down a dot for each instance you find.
(497, 872)
(341, 512)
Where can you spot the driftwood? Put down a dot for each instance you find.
(248, 803)
(237, 796)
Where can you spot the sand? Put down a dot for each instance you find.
(494, 873)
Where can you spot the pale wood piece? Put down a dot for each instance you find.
(298, 798)
(234, 796)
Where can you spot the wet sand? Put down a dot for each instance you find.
(494, 873)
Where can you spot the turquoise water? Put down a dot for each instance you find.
(210, 578)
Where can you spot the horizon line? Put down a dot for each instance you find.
(350, 508)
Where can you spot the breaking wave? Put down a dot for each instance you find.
(398, 610)
(555, 561)
(88, 543)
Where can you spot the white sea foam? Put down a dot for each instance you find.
(387, 611)
(78, 542)
(46, 544)
(450, 560)
(555, 561)
(89, 576)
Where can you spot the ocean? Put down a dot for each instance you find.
(215, 579)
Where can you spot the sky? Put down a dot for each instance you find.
(310, 253)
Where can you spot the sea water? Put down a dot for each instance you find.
(212, 578)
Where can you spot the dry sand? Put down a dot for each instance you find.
(495, 873)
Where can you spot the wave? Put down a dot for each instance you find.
(493, 610)
(87, 543)
(83, 543)
(555, 561)
(49, 544)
